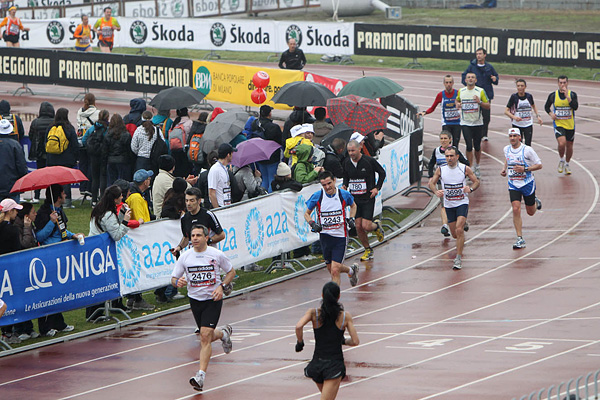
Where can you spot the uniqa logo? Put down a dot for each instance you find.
(217, 34)
(395, 169)
(203, 80)
(294, 32)
(301, 224)
(130, 274)
(138, 32)
(55, 32)
(177, 8)
(254, 226)
(35, 281)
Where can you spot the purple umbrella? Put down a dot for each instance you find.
(253, 150)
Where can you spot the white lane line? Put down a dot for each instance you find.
(509, 351)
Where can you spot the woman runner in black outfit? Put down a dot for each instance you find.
(329, 322)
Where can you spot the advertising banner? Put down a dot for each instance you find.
(233, 83)
(317, 37)
(514, 46)
(204, 8)
(395, 160)
(143, 255)
(333, 84)
(62, 277)
(94, 70)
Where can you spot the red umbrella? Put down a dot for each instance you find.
(44, 177)
(359, 113)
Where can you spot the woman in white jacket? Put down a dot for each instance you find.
(104, 216)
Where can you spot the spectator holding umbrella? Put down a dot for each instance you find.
(272, 132)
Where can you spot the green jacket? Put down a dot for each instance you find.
(304, 170)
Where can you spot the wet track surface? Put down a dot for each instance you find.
(508, 323)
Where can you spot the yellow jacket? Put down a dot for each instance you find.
(293, 142)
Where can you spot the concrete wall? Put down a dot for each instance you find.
(506, 4)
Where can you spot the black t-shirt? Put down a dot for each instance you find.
(204, 217)
(360, 179)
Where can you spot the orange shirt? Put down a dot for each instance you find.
(13, 26)
(106, 28)
(79, 34)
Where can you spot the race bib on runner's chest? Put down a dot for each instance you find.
(452, 115)
(515, 176)
(202, 275)
(107, 31)
(331, 219)
(470, 106)
(454, 192)
(563, 112)
(14, 29)
(357, 186)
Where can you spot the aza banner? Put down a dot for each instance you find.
(233, 83)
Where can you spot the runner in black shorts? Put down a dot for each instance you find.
(331, 204)
(199, 269)
(359, 180)
(329, 322)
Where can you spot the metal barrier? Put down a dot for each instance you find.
(569, 393)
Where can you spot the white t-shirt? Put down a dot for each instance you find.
(525, 156)
(218, 179)
(202, 271)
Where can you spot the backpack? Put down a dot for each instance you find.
(159, 147)
(57, 141)
(95, 139)
(195, 153)
(15, 131)
(163, 127)
(236, 192)
(177, 138)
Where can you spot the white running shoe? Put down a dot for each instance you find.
(197, 381)
(457, 263)
(354, 276)
(567, 169)
(561, 166)
(226, 341)
(519, 244)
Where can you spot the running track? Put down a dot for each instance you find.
(509, 323)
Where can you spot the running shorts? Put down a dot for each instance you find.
(569, 134)
(454, 212)
(334, 248)
(365, 210)
(206, 313)
(320, 370)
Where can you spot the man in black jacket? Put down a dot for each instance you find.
(334, 157)
(293, 58)
(37, 134)
(271, 131)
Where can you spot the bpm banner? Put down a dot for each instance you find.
(94, 70)
(515, 46)
(67, 276)
(233, 83)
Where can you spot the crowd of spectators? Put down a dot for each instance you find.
(130, 182)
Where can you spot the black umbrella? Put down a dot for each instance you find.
(176, 97)
(223, 129)
(303, 94)
(342, 131)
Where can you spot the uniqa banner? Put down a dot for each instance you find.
(395, 161)
(62, 277)
(233, 83)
